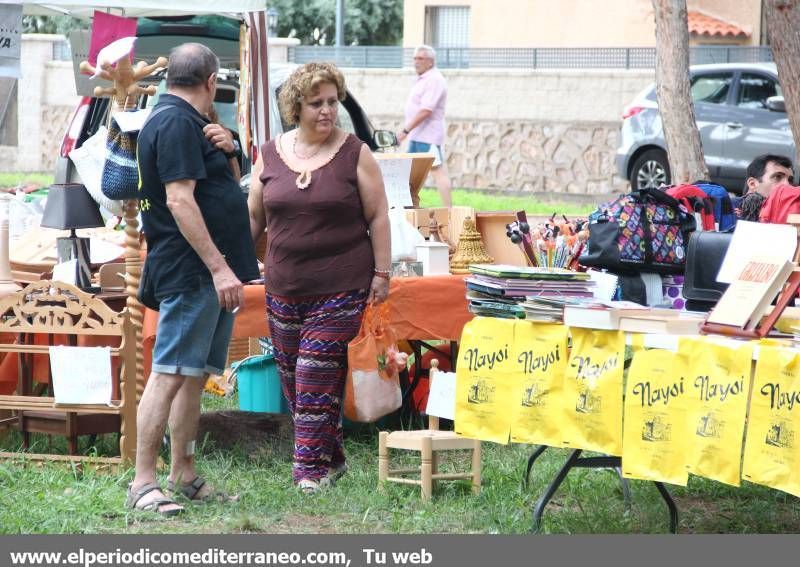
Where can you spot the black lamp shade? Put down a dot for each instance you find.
(69, 206)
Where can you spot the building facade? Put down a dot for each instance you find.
(572, 23)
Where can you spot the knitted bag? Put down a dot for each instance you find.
(120, 179)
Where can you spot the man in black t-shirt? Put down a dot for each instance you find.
(200, 251)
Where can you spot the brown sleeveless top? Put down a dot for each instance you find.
(317, 238)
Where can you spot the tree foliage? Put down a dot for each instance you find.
(51, 24)
(366, 22)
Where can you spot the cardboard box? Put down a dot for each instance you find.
(451, 220)
(492, 226)
(421, 219)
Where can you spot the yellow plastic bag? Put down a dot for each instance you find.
(540, 359)
(772, 444)
(718, 383)
(593, 391)
(654, 445)
(484, 384)
(637, 341)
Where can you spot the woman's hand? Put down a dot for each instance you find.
(379, 290)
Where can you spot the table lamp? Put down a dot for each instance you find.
(69, 206)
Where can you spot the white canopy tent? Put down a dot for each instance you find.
(139, 8)
(251, 12)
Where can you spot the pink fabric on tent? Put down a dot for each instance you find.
(107, 28)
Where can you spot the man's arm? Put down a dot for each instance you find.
(418, 119)
(183, 206)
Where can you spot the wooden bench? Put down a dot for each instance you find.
(55, 308)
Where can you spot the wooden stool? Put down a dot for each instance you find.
(428, 442)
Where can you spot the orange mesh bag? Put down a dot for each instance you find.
(372, 389)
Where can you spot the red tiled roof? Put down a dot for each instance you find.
(703, 24)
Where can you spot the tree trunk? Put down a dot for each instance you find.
(684, 149)
(783, 21)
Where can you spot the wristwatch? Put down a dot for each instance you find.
(237, 151)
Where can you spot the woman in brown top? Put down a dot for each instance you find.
(319, 193)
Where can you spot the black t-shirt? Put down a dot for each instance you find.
(172, 147)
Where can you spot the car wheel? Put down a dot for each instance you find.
(650, 170)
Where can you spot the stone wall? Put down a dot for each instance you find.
(519, 131)
(46, 100)
(529, 156)
(543, 131)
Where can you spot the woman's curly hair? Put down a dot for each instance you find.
(306, 81)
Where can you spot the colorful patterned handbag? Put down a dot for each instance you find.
(644, 231)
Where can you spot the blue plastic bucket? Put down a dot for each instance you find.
(259, 385)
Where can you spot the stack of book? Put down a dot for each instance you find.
(524, 292)
(633, 318)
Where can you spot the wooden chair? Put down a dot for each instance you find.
(54, 308)
(428, 442)
(112, 276)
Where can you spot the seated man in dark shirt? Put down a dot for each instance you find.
(200, 251)
(763, 174)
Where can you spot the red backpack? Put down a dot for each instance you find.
(782, 202)
(696, 201)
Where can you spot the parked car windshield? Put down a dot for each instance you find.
(711, 88)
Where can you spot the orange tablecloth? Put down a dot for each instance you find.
(433, 307)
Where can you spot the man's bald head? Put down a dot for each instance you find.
(190, 65)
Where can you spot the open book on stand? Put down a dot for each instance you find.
(749, 296)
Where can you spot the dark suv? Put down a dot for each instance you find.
(156, 38)
(740, 113)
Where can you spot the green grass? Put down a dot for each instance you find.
(63, 499)
(429, 197)
(487, 201)
(66, 499)
(15, 179)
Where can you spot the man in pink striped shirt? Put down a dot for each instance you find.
(424, 117)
